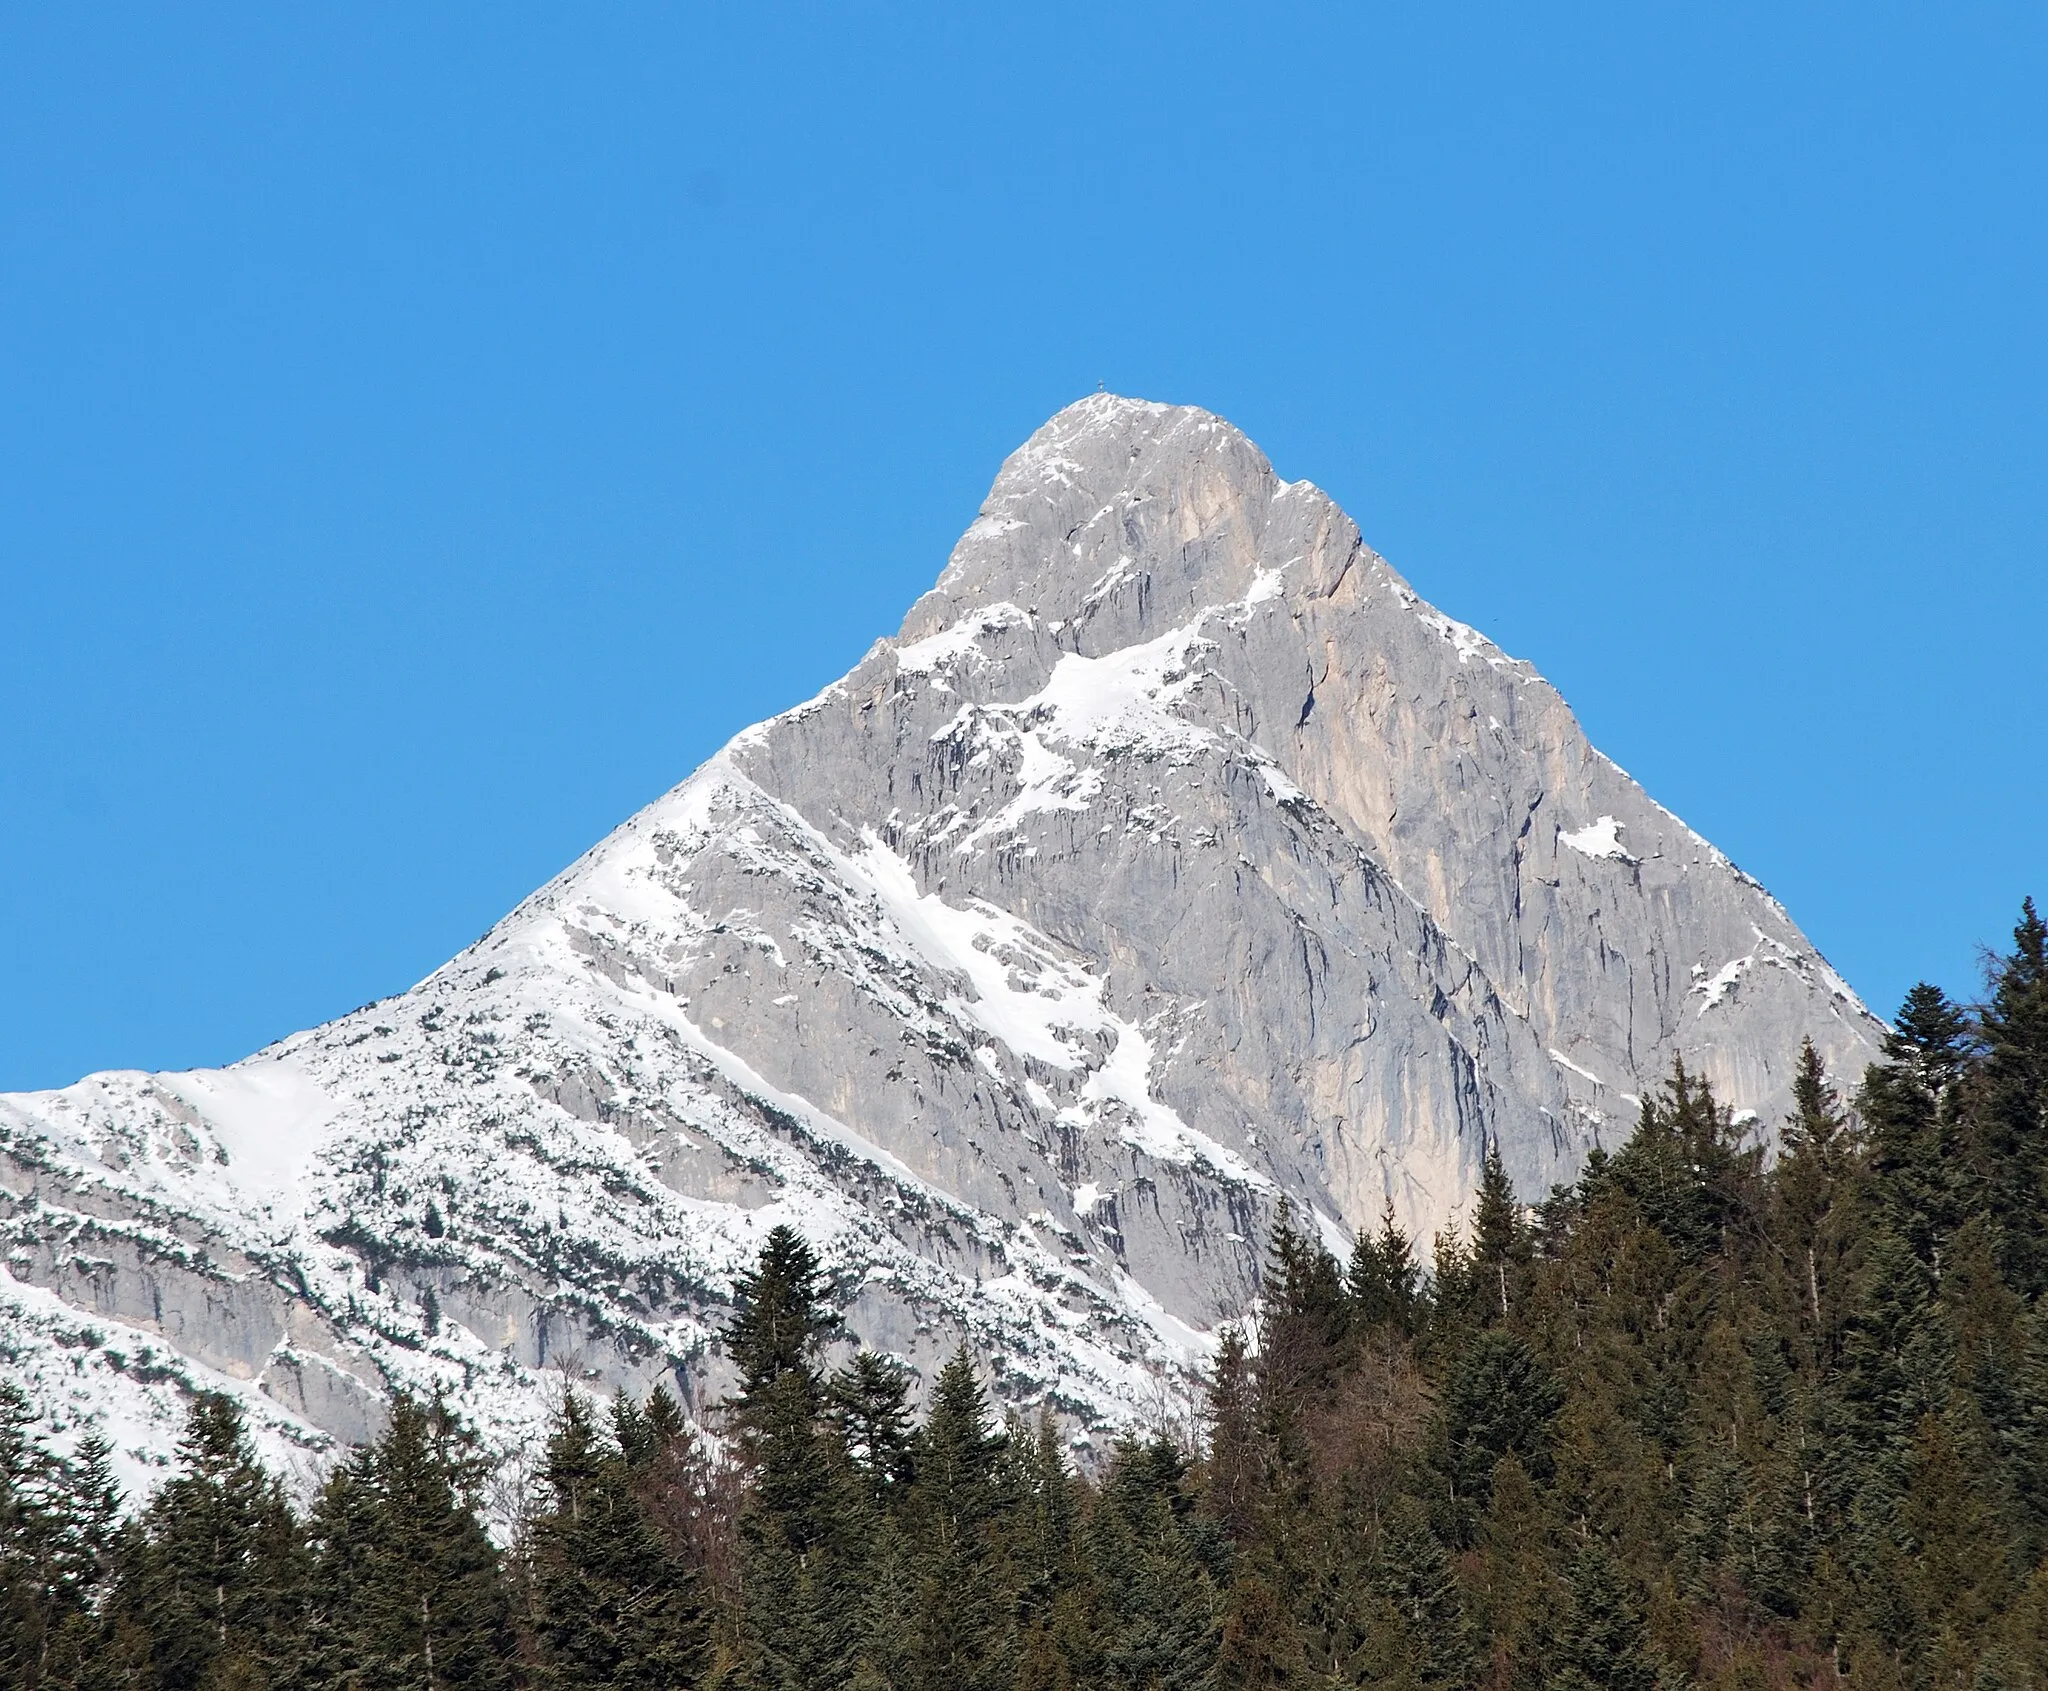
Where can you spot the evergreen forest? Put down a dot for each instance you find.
(1714, 1416)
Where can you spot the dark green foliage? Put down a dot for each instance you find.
(410, 1581)
(1500, 1240)
(798, 1534)
(1307, 1317)
(1424, 1610)
(1684, 1173)
(1383, 1277)
(209, 1592)
(55, 1532)
(1499, 1401)
(1693, 1421)
(1157, 1623)
(1261, 1648)
(2011, 1110)
(960, 1623)
(1602, 1642)
(870, 1406)
(611, 1608)
(1236, 1450)
(1704, 1421)
(1911, 1107)
(779, 1319)
(1817, 1187)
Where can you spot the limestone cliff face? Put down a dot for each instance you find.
(1173, 858)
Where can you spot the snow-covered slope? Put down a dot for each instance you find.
(1176, 856)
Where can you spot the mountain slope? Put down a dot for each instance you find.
(1174, 857)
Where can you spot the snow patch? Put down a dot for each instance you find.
(1601, 839)
(1562, 1061)
(946, 648)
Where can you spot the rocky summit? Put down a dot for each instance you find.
(1175, 858)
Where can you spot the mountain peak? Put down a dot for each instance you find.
(1175, 858)
(1106, 482)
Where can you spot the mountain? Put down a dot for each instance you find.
(1173, 858)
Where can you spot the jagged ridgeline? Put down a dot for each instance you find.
(1700, 1417)
(1174, 860)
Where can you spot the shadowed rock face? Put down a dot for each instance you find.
(1173, 858)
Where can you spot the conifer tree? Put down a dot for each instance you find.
(1411, 1574)
(1684, 1171)
(1948, 1521)
(2012, 1106)
(1381, 1280)
(95, 1507)
(39, 1572)
(333, 1649)
(801, 1621)
(886, 1626)
(214, 1589)
(1499, 1401)
(613, 1609)
(870, 1405)
(1911, 1104)
(1158, 1623)
(1603, 1644)
(1517, 1582)
(1305, 1321)
(961, 1639)
(428, 1608)
(1817, 1166)
(691, 1500)
(1261, 1648)
(1236, 1459)
(779, 1318)
(1038, 1512)
(92, 1532)
(1500, 1236)
(797, 1534)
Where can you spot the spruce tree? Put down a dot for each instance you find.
(1603, 1644)
(215, 1589)
(779, 1318)
(1500, 1401)
(1911, 1104)
(1517, 1582)
(1305, 1320)
(335, 1651)
(800, 1552)
(692, 1499)
(613, 1610)
(1684, 1171)
(1411, 1574)
(428, 1608)
(1381, 1278)
(1500, 1236)
(961, 1638)
(40, 1575)
(92, 1535)
(2011, 1108)
(870, 1405)
(1236, 1467)
(1037, 1514)
(1158, 1622)
(1260, 1648)
(1818, 1162)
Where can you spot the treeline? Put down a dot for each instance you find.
(1691, 1421)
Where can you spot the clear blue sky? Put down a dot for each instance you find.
(426, 432)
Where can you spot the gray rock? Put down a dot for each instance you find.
(1174, 857)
